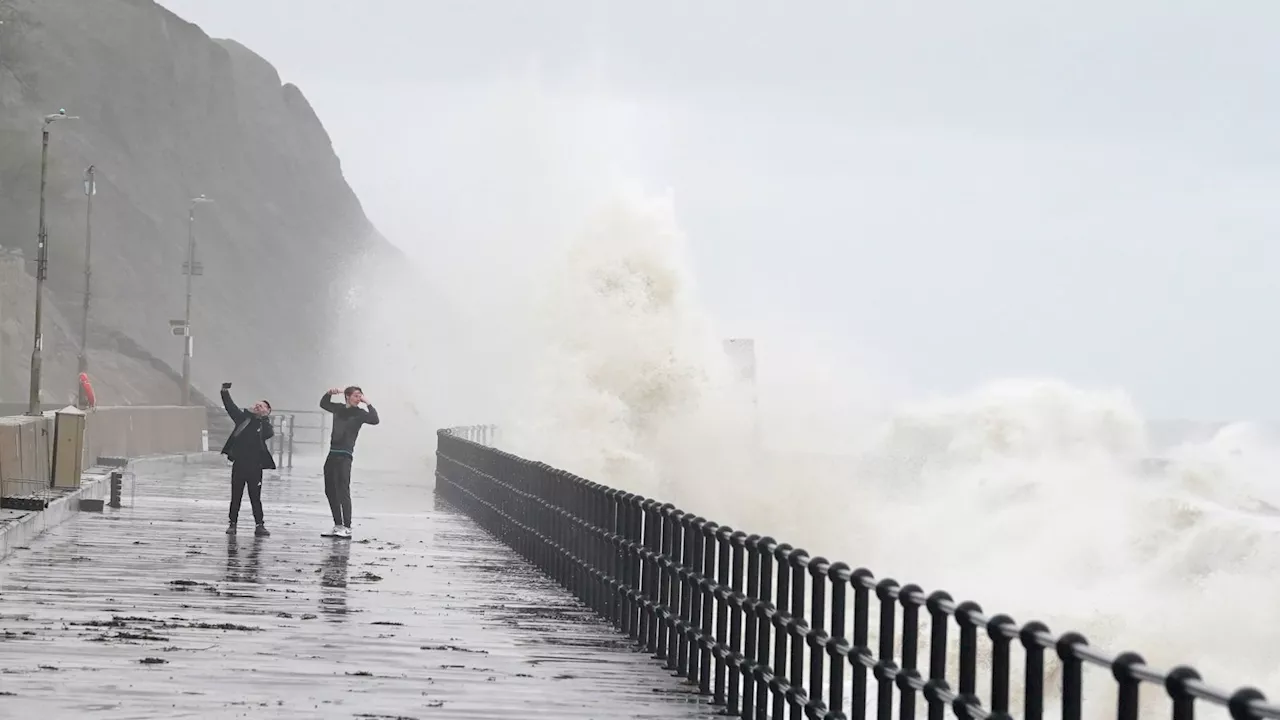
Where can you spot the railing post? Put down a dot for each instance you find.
(689, 534)
(664, 584)
(764, 616)
(619, 552)
(782, 606)
(969, 651)
(117, 480)
(937, 687)
(1002, 630)
(1072, 674)
(636, 563)
(703, 632)
(723, 592)
(675, 637)
(751, 621)
(292, 423)
(797, 631)
(886, 591)
(1176, 686)
(652, 547)
(862, 581)
(278, 439)
(819, 569)
(840, 574)
(911, 598)
(1033, 704)
(738, 669)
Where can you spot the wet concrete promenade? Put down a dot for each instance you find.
(150, 611)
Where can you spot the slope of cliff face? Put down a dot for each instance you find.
(168, 113)
(121, 372)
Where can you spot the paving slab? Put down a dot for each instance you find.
(151, 611)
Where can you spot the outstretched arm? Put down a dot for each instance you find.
(326, 403)
(233, 410)
(371, 415)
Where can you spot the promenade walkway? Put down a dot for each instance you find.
(150, 611)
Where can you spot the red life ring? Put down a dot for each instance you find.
(88, 389)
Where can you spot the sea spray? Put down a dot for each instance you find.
(1032, 496)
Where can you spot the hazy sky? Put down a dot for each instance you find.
(965, 190)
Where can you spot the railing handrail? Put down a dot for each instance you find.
(1183, 684)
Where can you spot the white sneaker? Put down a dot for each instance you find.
(337, 531)
(345, 532)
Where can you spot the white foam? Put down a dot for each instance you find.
(1028, 495)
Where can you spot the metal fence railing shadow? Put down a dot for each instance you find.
(767, 631)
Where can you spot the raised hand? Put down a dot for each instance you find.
(335, 391)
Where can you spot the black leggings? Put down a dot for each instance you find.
(337, 487)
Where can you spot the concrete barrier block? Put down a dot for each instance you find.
(135, 432)
(28, 449)
(44, 449)
(10, 456)
(24, 454)
(68, 456)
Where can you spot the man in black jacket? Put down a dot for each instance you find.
(347, 420)
(247, 450)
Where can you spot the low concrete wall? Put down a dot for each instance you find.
(26, 442)
(138, 431)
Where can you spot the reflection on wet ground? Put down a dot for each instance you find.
(243, 569)
(333, 577)
(150, 611)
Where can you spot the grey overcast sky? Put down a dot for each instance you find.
(964, 190)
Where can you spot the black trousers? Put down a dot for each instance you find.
(244, 474)
(337, 487)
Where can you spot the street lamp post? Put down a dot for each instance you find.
(42, 267)
(190, 268)
(90, 189)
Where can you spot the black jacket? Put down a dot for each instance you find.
(248, 442)
(346, 424)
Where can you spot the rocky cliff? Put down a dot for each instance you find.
(168, 113)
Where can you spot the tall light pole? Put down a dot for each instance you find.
(90, 189)
(190, 268)
(42, 266)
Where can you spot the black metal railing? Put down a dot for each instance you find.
(763, 629)
(480, 434)
(284, 426)
(309, 427)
